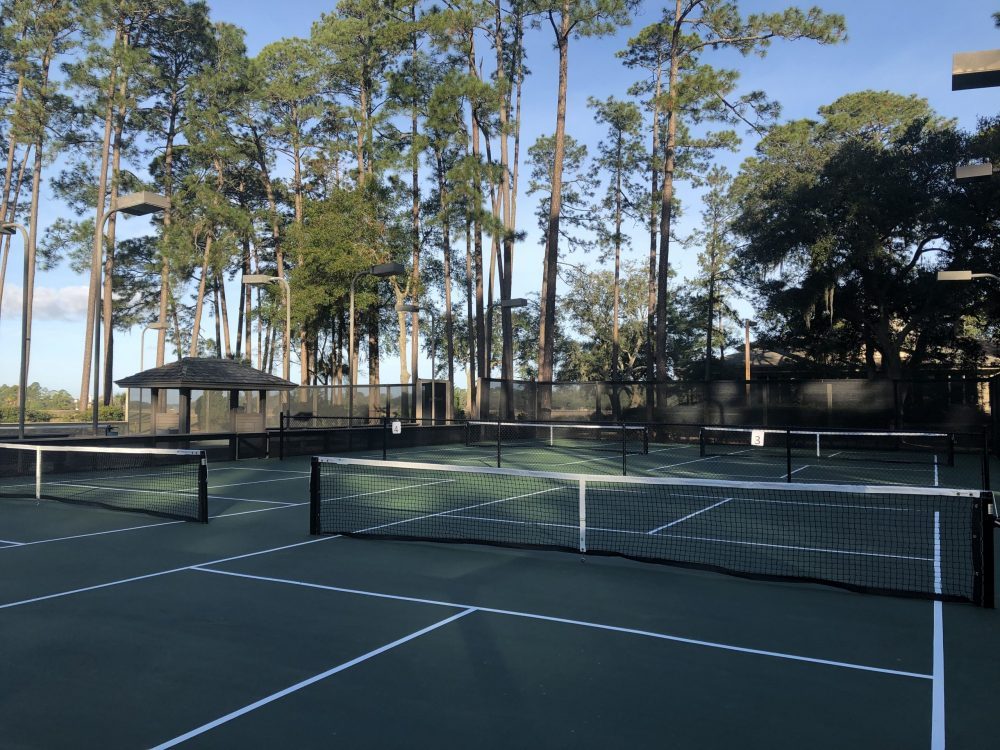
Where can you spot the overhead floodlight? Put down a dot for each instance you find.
(974, 172)
(7, 229)
(142, 203)
(954, 275)
(975, 70)
(408, 308)
(252, 279)
(514, 302)
(386, 269)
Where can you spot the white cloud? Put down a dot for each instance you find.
(50, 303)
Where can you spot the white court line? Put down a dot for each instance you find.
(96, 533)
(12, 545)
(312, 680)
(454, 514)
(247, 500)
(794, 471)
(696, 460)
(246, 468)
(935, 470)
(568, 621)
(381, 492)
(120, 581)
(456, 510)
(256, 481)
(689, 515)
(937, 695)
(259, 510)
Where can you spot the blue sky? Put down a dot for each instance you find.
(899, 45)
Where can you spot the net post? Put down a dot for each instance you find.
(985, 593)
(385, 438)
(583, 515)
(951, 449)
(38, 474)
(314, 497)
(203, 489)
(788, 455)
(624, 451)
(498, 442)
(281, 436)
(701, 441)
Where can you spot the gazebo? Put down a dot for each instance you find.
(200, 395)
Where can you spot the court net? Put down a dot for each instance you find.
(161, 482)
(877, 447)
(614, 438)
(927, 542)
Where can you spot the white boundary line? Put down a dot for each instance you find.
(60, 594)
(247, 468)
(257, 481)
(9, 543)
(312, 680)
(580, 623)
(248, 500)
(937, 696)
(689, 515)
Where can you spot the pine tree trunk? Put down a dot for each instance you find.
(168, 191)
(449, 330)
(12, 213)
(666, 208)
(107, 311)
(217, 315)
(97, 255)
(550, 270)
(200, 300)
(471, 369)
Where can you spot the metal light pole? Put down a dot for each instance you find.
(381, 270)
(133, 204)
(257, 279)
(5, 229)
(158, 326)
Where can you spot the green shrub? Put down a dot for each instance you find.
(9, 414)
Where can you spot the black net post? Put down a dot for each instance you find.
(203, 490)
(624, 450)
(498, 442)
(281, 436)
(983, 562)
(314, 490)
(788, 455)
(701, 441)
(385, 437)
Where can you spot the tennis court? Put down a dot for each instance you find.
(128, 630)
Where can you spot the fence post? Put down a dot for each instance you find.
(986, 460)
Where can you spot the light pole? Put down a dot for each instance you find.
(430, 311)
(158, 326)
(133, 204)
(6, 229)
(380, 271)
(258, 279)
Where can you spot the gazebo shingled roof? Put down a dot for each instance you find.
(204, 373)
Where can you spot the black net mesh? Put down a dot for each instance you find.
(168, 483)
(920, 542)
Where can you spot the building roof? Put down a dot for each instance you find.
(207, 374)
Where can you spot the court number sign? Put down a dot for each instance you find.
(757, 438)
(397, 427)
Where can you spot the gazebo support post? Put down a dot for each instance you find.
(184, 411)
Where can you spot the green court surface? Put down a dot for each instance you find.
(122, 630)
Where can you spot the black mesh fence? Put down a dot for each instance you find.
(954, 404)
